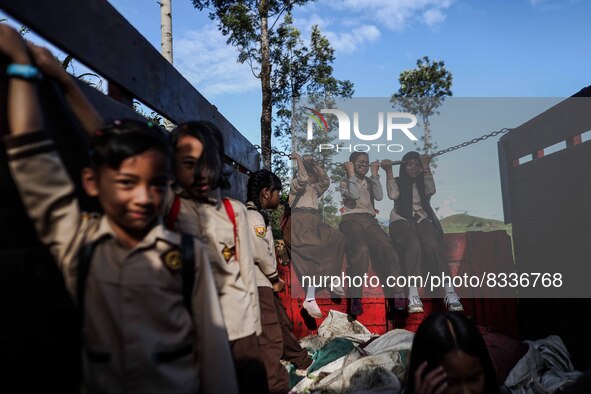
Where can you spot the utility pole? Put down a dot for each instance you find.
(166, 41)
(166, 29)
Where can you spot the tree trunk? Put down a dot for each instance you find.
(427, 137)
(166, 29)
(267, 107)
(166, 41)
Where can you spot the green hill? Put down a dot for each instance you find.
(461, 223)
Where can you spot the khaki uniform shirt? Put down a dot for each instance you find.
(263, 248)
(356, 194)
(417, 206)
(236, 277)
(308, 192)
(138, 335)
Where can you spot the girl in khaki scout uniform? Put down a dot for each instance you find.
(138, 334)
(317, 248)
(194, 206)
(414, 227)
(277, 339)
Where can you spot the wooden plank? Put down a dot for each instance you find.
(559, 123)
(119, 94)
(553, 187)
(98, 36)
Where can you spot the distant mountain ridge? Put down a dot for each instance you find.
(462, 223)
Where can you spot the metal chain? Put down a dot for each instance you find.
(273, 151)
(472, 141)
(438, 153)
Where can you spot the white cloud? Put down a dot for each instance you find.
(349, 42)
(204, 58)
(305, 23)
(433, 17)
(397, 15)
(551, 5)
(447, 207)
(347, 37)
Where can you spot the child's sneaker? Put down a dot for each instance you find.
(452, 302)
(313, 309)
(415, 305)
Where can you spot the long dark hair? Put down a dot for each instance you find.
(121, 139)
(405, 183)
(257, 182)
(405, 161)
(442, 333)
(211, 163)
(403, 204)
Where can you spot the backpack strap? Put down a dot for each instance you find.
(173, 214)
(188, 269)
(232, 216)
(84, 259)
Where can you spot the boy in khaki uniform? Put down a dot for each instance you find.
(365, 239)
(138, 335)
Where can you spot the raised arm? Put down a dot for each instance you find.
(24, 112)
(299, 183)
(323, 182)
(374, 182)
(349, 188)
(43, 183)
(428, 176)
(81, 107)
(391, 185)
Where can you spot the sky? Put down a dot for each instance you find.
(529, 49)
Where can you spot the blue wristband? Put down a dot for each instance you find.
(24, 71)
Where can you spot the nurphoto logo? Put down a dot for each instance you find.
(389, 121)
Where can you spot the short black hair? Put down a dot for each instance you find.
(257, 182)
(122, 139)
(355, 155)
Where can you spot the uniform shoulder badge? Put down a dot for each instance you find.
(260, 231)
(172, 259)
